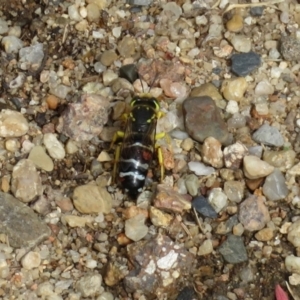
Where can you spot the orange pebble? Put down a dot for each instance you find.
(52, 101)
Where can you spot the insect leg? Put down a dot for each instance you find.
(161, 163)
(116, 161)
(117, 135)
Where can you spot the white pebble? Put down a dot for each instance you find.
(241, 43)
(292, 264)
(232, 107)
(54, 146)
(11, 44)
(106, 296)
(31, 260)
(117, 31)
(83, 12)
(73, 13)
(264, 88)
(200, 169)
(201, 20)
(91, 263)
(217, 199)
(274, 53)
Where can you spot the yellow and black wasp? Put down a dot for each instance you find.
(134, 154)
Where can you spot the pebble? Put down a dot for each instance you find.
(257, 11)
(83, 120)
(104, 156)
(31, 260)
(268, 135)
(294, 279)
(89, 285)
(135, 228)
(127, 46)
(21, 225)
(207, 89)
(129, 72)
(93, 12)
(54, 147)
(234, 190)
(174, 9)
(77, 221)
(290, 48)
(235, 24)
(3, 27)
(253, 213)
(89, 199)
(212, 152)
(275, 187)
(39, 157)
(71, 147)
(108, 57)
(59, 90)
(283, 160)
(256, 168)
(12, 44)
(187, 144)
(292, 264)
(234, 89)
(12, 124)
(205, 248)
(52, 101)
(242, 64)
(217, 199)
(202, 119)
(264, 88)
(12, 145)
(26, 183)
(159, 218)
(233, 250)
(192, 184)
(82, 25)
(168, 199)
(238, 229)
(241, 43)
(31, 57)
(264, 235)
(232, 107)
(73, 13)
(234, 154)
(200, 169)
(294, 234)
(65, 204)
(227, 226)
(202, 206)
(45, 289)
(106, 296)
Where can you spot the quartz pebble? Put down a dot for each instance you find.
(217, 199)
(234, 154)
(234, 89)
(31, 260)
(89, 285)
(253, 213)
(264, 88)
(212, 152)
(200, 169)
(294, 234)
(205, 248)
(255, 168)
(207, 89)
(39, 157)
(135, 228)
(11, 44)
(275, 187)
(12, 124)
(54, 147)
(292, 264)
(77, 221)
(192, 184)
(268, 135)
(241, 43)
(243, 64)
(3, 26)
(234, 190)
(31, 57)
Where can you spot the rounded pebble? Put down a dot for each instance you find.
(31, 260)
(54, 147)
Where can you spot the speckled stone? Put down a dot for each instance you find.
(290, 48)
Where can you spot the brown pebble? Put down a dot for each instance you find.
(65, 204)
(235, 24)
(254, 184)
(52, 101)
(133, 211)
(123, 240)
(264, 235)
(5, 187)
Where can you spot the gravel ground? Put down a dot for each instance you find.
(224, 223)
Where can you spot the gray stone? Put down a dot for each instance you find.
(243, 64)
(203, 207)
(19, 222)
(233, 250)
(268, 135)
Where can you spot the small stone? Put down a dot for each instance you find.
(12, 145)
(205, 248)
(294, 279)
(93, 12)
(203, 207)
(232, 107)
(30, 58)
(65, 204)
(52, 101)
(89, 285)
(227, 226)
(31, 260)
(235, 24)
(290, 48)
(106, 296)
(187, 144)
(173, 9)
(207, 89)
(212, 152)
(116, 270)
(217, 199)
(26, 183)
(233, 250)
(253, 213)
(77, 221)
(82, 25)
(255, 168)
(21, 225)
(11, 44)
(127, 47)
(12, 124)
(257, 11)
(292, 264)
(268, 135)
(238, 229)
(89, 199)
(168, 199)
(135, 228)
(275, 187)
(192, 184)
(39, 157)
(104, 156)
(200, 169)
(159, 218)
(54, 147)
(60, 90)
(234, 154)
(139, 2)
(294, 234)
(3, 27)
(264, 235)
(234, 89)
(108, 57)
(71, 147)
(133, 211)
(244, 63)
(234, 190)
(241, 43)
(129, 72)
(264, 88)
(202, 119)
(73, 13)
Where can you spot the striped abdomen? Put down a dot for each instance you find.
(135, 158)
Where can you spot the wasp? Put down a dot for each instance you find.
(134, 154)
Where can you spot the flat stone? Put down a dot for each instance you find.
(90, 199)
(12, 124)
(233, 250)
(268, 135)
(202, 206)
(217, 199)
(77, 221)
(160, 218)
(21, 225)
(203, 119)
(243, 64)
(39, 157)
(253, 213)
